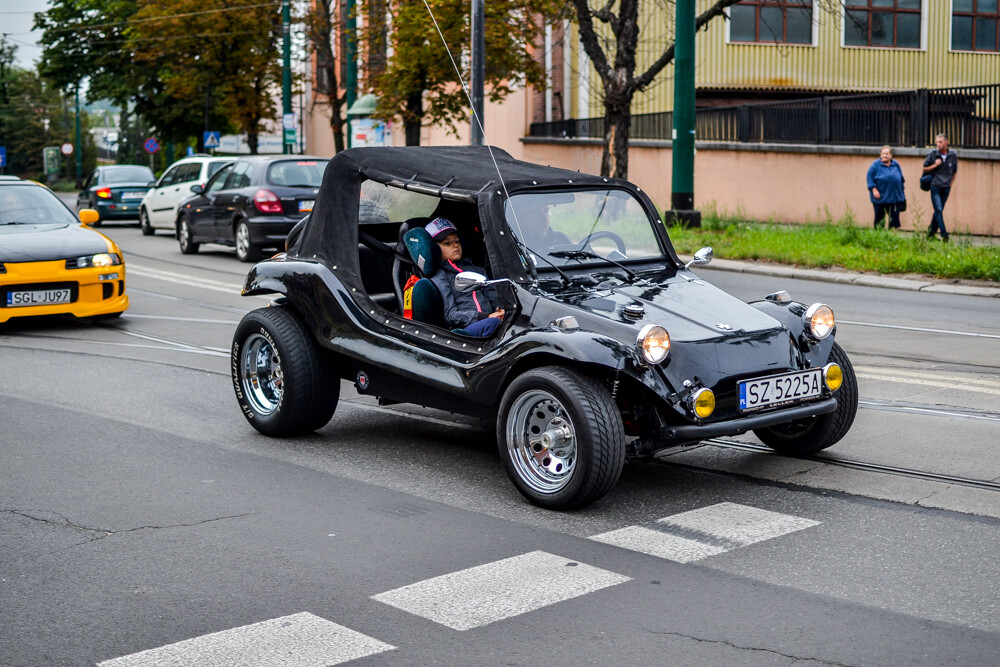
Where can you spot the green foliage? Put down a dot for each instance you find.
(841, 244)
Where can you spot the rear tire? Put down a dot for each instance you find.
(560, 437)
(184, 237)
(144, 225)
(284, 381)
(809, 436)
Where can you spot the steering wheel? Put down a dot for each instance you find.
(604, 234)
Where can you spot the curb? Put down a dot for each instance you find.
(848, 278)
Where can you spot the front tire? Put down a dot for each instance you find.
(144, 225)
(560, 437)
(284, 381)
(185, 238)
(246, 251)
(809, 436)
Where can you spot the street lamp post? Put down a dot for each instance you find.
(682, 185)
(478, 72)
(79, 143)
(286, 71)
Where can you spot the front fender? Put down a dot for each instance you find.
(817, 353)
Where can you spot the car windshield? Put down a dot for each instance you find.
(127, 175)
(32, 204)
(611, 224)
(304, 173)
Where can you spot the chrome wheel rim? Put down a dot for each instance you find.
(143, 220)
(261, 376)
(242, 241)
(185, 235)
(541, 441)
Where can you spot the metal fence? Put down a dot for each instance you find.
(970, 116)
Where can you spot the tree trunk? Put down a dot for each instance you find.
(252, 142)
(415, 114)
(617, 130)
(337, 126)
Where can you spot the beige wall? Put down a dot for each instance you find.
(767, 183)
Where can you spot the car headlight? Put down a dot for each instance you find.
(818, 320)
(833, 376)
(702, 402)
(98, 260)
(653, 343)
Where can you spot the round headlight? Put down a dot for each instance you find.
(833, 376)
(653, 343)
(819, 321)
(702, 402)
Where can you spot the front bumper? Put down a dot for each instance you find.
(91, 295)
(743, 424)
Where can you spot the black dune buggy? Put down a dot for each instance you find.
(610, 348)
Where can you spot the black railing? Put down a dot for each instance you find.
(970, 116)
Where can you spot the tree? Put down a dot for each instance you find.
(421, 70)
(322, 28)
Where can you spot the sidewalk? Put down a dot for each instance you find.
(912, 283)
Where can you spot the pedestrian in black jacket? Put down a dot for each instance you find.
(944, 165)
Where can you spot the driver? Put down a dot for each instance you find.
(532, 224)
(473, 312)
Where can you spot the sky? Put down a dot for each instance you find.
(16, 19)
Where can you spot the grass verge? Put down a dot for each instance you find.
(841, 244)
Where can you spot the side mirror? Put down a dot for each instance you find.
(702, 257)
(89, 216)
(469, 281)
(198, 189)
(151, 184)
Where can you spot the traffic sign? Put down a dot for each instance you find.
(3, 156)
(288, 121)
(212, 139)
(151, 145)
(290, 135)
(66, 148)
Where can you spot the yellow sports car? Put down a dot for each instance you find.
(50, 263)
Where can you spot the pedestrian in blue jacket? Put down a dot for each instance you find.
(885, 189)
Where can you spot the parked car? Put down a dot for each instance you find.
(114, 191)
(159, 208)
(251, 204)
(610, 348)
(50, 263)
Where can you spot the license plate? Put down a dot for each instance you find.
(38, 297)
(133, 195)
(306, 205)
(777, 389)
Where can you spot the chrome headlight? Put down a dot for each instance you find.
(99, 260)
(653, 343)
(818, 321)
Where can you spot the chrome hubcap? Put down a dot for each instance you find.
(242, 240)
(261, 376)
(541, 441)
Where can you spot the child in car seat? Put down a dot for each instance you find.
(474, 312)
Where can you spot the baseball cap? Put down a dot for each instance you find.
(438, 228)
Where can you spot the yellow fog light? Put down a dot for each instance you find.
(702, 403)
(833, 376)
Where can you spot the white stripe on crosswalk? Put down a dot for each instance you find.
(503, 589)
(691, 536)
(302, 640)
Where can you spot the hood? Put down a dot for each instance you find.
(47, 242)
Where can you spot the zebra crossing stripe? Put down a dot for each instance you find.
(691, 536)
(503, 589)
(299, 640)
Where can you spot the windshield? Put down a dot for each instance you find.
(291, 173)
(32, 204)
(127, 175)
(609, 223)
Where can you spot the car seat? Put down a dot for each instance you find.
(425, 259)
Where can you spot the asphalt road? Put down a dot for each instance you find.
(140, 512)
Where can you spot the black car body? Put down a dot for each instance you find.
(115, 191)
(251, 204)
(610, 348)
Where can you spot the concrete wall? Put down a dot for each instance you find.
(796, 184)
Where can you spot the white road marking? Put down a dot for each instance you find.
(927, 383)
(957, 379)
(503, 589)
(299, 640)
(183, 279)
(920, 329)
(691, 536)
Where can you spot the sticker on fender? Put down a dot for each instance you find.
(764, 392)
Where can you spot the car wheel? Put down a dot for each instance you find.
(808, 436)
(284, 381)
(245, 250)
(144, 226)
(185, 237)
(560, 437)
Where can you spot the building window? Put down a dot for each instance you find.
(776, 21)
(974, 25)
(882, 23)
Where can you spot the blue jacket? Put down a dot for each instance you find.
(889, 181)
(462, 309)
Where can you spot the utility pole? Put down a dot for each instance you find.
(79, 143)
(350, 56)
(682, 186)
(286, 70)
(478, 72)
